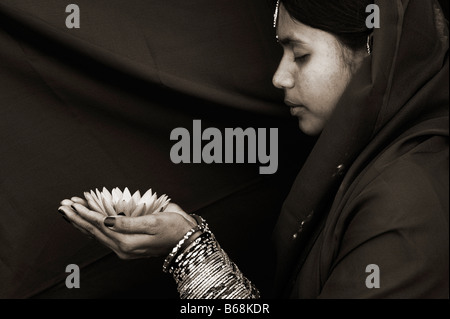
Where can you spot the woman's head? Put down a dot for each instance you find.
(324, 43)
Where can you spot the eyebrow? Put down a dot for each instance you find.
(289, 40)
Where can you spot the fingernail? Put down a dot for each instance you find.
(109, 221)
(61, 212)
(121, 214)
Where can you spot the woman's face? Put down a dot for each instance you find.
(314, 71)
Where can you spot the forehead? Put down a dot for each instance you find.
(288, 28)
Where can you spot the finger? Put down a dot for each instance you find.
(130, 247)
(132, 225)
(66, 202)
(79, 201)
(174, 208)
(85, 227)
(64, 213)
(126, 247)
(93, 217)
(84, 231)
(98, 220)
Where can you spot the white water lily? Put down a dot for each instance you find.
(117, 202)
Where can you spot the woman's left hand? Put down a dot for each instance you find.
(131, 237)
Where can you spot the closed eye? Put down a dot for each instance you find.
(301, 58)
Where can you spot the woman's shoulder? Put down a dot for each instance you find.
(407, 187)
(420, 167)
(395, 215)
(410, 171)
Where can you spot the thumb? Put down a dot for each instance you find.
(174, 208)
(132, 225)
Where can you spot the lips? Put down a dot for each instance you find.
(297, 109)
(292, 104)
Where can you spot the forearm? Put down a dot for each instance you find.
(203, 270)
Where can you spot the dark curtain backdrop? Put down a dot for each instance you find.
(91, 107)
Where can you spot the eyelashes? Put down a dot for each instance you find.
(301, 58)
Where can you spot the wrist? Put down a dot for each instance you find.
(187, 240)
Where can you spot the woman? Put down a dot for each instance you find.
(367, 216)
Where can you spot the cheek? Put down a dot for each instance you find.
(320, 89)
(323, 88)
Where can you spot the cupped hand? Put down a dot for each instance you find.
(130, 237)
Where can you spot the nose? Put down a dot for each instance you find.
(283, 79)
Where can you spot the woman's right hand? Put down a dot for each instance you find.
(131, 237)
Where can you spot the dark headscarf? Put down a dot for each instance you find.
(400, 91)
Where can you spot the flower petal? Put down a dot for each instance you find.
(128, 207)
(98, 199)
(147, 196)
(126, 194)
(138, 211)
(107, 195)
(93, 195)
(108, 207)
(120, 207)
(161, 204)
(165, 203)
(146, 210)
(93, 204)
(136, 197)
(95, 198)
(117, 195)
(151, 204)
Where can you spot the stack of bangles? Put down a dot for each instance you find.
(202, 270)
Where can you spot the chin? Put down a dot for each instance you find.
(309, 128)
